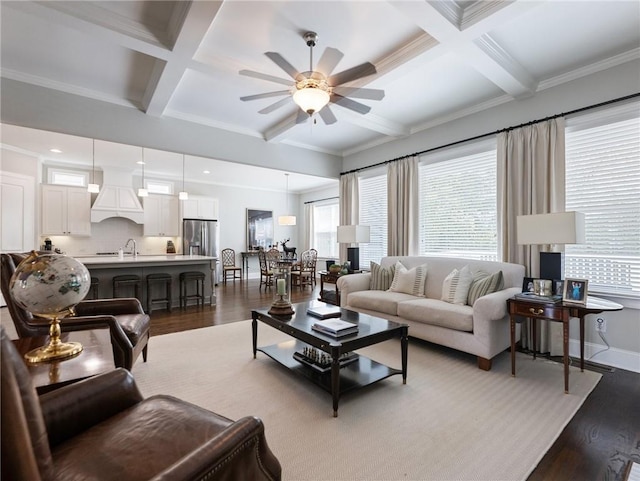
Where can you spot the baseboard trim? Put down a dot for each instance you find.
(614, 357)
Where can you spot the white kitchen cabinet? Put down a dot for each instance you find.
(66, 210)
(161, 216)
(196, 207)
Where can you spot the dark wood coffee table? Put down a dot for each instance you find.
(96, 357)
(337, 379)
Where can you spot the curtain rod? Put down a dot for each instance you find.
(320, 200)
(507, 129)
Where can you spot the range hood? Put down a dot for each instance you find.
(117, 198)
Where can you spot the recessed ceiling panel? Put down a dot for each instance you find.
(558, 36)
(55, 55)
(437, 88)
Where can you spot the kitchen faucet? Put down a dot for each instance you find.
(135, 250)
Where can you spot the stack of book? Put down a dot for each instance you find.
(324, 311)
(335, 327)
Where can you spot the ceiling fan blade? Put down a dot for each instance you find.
(265, 95)
(354, 73)
(302, 117)
(329, 60)
(283, 64)
(276, 105)
(360, 93)
(327, 115)
(350, 104)
(264, 76)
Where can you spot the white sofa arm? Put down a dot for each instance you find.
(488, 311)
(352, 283)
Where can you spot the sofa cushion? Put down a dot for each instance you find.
(455, 287)
(437, 313)
(483, 285)
(409, 281)
(381, 277)
(381, 301)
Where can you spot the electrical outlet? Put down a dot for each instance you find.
(601, 325)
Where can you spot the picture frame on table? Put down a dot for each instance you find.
(527, 284)
(575, 291)
(558, 286)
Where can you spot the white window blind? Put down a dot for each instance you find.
(373, 212)
(458, 206)
(326, 217)
(603, 182)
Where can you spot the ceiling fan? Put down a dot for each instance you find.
(313, 90)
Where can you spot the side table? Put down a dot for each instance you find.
(559, 312)
(331, 295)
(96, 358)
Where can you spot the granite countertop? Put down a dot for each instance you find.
(143, 259)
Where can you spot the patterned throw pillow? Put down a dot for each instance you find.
(409, 281)
(381, 277)
(455, 287)
(484, 285)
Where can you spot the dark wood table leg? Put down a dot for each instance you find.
(404, 346)
(254, 333)
(512, 324)
(335, 379)
(534, 335)
(565, 350)
(581, 343)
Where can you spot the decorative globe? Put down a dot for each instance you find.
(49, 285)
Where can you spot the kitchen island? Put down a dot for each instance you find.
(104, 268)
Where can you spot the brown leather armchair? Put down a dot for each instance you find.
(128, 324)
(102, 428)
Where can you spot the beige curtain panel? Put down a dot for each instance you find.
(402, 207)
(531, 180)
(349, 205)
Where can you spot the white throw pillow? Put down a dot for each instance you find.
(455, 287)
(409, 281)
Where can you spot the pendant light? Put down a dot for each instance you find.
(142, 192)
(183, 195)
(287, 219)
(93, 187)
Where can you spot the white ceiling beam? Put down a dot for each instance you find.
(473, 45)
(166, 76)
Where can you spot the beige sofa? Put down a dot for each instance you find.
(481, 329)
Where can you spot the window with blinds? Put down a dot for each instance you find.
(373, 212)
(603, 182)
(458, 205)
(326, 217)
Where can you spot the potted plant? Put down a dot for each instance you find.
(335, 268)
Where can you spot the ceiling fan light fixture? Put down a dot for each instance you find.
(311, 95)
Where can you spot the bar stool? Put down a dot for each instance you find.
(95, 287)
(162, 279)
(126, 281)
(185, 278)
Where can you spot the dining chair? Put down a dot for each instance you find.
(229, 265)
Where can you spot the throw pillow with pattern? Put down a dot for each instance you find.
(409, 281)
(381, 277)
(455, 287)
(485, 284)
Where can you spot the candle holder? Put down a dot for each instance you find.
(282, 281)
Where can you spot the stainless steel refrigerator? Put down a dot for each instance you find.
(200, 237)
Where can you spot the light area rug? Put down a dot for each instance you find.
(451, 421)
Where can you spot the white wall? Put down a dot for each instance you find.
(623, 328)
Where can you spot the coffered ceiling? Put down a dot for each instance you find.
(435, 60)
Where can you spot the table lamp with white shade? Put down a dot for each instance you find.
(353, 234)
(553, 228)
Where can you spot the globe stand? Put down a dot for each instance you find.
(55, 349)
